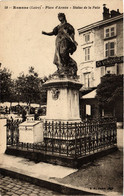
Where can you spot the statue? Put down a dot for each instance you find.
(65, 45)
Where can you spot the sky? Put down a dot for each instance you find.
(21, 43)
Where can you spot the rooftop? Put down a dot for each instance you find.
(108, 17)
(100, 23)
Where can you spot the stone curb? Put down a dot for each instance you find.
(59, 160)
(51, 184)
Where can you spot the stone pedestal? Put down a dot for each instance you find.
(31, 131)
(63, 100)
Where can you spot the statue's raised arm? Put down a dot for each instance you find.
(45, 33)
(65, 45)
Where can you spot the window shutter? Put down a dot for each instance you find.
(112, 48)
(106, 49)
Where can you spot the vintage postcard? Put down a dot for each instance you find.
(61, 97)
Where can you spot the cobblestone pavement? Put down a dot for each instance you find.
(15, 187)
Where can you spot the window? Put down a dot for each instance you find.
(110, 31)
(107, 33)
(88, 109)
(87, 37)
(87, 53)
(87, 79)
(112, 48)
(109, 49)
(106, 50)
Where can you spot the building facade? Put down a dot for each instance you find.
(102, 49)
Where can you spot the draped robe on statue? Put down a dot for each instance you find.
(65, 45)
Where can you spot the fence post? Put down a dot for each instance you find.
(52, 137)
(3, 135)
(67, 140)
(75, 139)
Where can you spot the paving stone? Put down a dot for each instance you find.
(4, 188)
(31, 188)
(25, 185)
(28, 192)
(9, 185)
(1, 186)
(44, 192)
(4, 183)
(12, 184)
(3, 192)
(33, 194)
(18, 185)
(18, 194)
(19, 191)
(36, 190)
(6, 178)
(9, 193)
(13, 187)
(27, 188)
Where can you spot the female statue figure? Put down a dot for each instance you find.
(65, 45)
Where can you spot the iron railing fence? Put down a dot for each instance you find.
(13, 131)
(68, 139)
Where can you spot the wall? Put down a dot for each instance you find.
(120, 138)
(120, 38)
(3, 136)
(98, 51)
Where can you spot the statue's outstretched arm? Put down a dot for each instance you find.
(45, 33)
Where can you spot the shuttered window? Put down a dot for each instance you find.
(110, 49)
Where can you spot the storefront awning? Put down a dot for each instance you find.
(90, 95)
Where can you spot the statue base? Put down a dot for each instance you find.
(63, 100)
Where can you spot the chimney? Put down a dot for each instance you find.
(115, 13)
(106, 13)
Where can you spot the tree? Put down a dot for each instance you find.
(28, 87)
(110, 89)
(6, 85)
(110, 92)
(43, 96)
(43, 92)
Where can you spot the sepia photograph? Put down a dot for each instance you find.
(61, 97)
